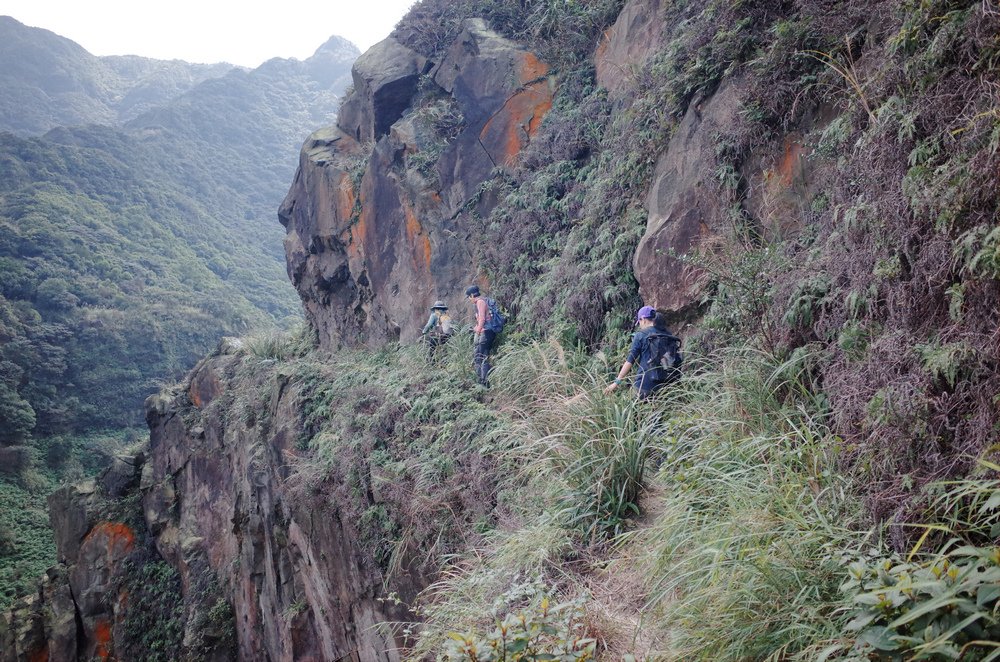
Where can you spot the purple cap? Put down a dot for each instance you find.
(645, 313)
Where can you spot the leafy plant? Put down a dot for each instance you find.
(941, 608)
(939, 605)
(544, 632)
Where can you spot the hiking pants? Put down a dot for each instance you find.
(481, 355)
(433, 341)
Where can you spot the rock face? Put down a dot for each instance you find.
(372, 241)
(626, 45)
(218, 506)
(76, 612)
(216, 500)
(685, 208)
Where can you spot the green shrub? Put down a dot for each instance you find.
(932, 605)
(545, 631)
(941, 608)
(153, 618)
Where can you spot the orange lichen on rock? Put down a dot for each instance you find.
(790, 162)
(417, 240)
(541, 109)
(531, 69)
(346, 197)
(119, 538)
(507, 132)
(358, 235)
(205, 387)
(102, 639)
(601, 61)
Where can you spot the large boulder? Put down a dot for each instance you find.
(385, 79)
(504, 91)
(685, 209)
(625, 47)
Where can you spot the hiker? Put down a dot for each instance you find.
(489, 322)
(657, 352)
(438, 328)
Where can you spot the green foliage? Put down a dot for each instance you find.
(979, 250)
(544, 631)
(931, 605)
(27, 548)
(754, 511)
(442, 118)
(805, 298)
(123, 294)
(604, 470)
(153, 619)
(397, 444)
(24, 518)
(940, 608)
(946, 361)
(854, 339)
(741, 290)
(749, 514)
(280, 345)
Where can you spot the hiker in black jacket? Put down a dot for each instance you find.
(656, 351)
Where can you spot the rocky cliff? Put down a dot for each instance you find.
(372, 237)
(232, 560)
(382, 217)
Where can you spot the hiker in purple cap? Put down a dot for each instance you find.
(656, 350)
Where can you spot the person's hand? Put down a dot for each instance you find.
(611, 387)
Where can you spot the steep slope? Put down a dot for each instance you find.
(813, 185)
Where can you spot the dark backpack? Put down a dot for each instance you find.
(496, 319)
(665, 356)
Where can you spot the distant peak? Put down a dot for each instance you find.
(337, 45)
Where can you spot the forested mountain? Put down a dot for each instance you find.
(128, 248)
(50, 81)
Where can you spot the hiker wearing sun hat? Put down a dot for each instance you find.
(657, 352)
(438, 328)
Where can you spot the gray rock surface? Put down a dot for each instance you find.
(685, 208)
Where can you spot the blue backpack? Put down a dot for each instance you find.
(496, 319)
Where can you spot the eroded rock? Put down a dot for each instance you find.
(385, 80)
(685, 208)
(368, 254)
(625, 47)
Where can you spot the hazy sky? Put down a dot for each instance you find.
(246, 32)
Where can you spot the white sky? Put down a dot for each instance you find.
(247, 32)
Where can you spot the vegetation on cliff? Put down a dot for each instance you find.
(847, 409)
(884, 280)
(718, 517)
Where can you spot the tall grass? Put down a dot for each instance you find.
(745, 556)
(741, 545)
